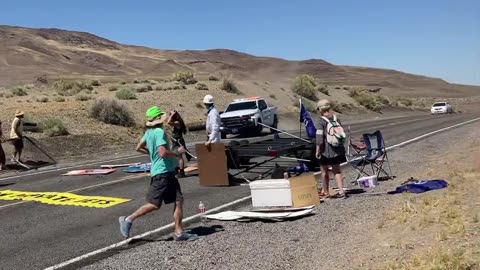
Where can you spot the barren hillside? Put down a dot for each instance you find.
(26, 54)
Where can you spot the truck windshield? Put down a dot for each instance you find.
(250, 105)
(439, 104)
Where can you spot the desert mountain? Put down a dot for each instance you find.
(27, 53)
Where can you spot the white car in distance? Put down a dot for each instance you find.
(442, 107)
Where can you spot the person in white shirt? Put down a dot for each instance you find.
(16, 135)
(213, 121)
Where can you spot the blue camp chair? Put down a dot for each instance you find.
(373, 156)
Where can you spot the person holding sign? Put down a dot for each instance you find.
(164, 186)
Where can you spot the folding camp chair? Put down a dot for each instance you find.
(373, 155)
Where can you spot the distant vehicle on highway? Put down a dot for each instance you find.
(441, 107)
(243, 115)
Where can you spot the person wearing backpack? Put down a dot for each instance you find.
(330, 149)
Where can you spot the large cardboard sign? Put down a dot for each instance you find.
(212, 164)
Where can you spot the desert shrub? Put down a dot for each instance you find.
(229, 86)
(71, 88)
(95, 83)
(272, 96)
(113, 88)
(19, 91)
(201, 86)
(309, 105)
(143, 88)
(382, 100)
(137, 81)
(368, 102)
(199, 105)
(405, 101)
(111, 112)
(82, 97)
(346, 88)
(123, 82)
(2, 94)
(125, 94)
(323, 90)
(54, 127)
(213, 78)
(159, 88)
(185, 77)
(9, 95)
(42, 99)
(59, 99)
(338, 87)
(305, 86)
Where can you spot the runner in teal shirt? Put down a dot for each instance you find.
(164, 186)
(154, 138)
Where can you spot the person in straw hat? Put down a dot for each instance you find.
(16, 135)
(164, 186)
(328, 154)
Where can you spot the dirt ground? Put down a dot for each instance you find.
(437, 230)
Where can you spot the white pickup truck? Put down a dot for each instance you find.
(243, 115)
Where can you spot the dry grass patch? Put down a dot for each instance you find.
(438, 259)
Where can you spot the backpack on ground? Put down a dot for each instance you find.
(335, 133)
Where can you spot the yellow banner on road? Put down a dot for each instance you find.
(61, 198)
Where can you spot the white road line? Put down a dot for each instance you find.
(84, 188)
(188, 144)
(160, 229)
(171, 225)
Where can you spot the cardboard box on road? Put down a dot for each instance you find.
(304, 191)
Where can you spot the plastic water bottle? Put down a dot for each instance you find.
(201, 211)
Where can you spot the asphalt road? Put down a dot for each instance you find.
(35, 235)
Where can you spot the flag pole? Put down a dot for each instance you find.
(300, 124)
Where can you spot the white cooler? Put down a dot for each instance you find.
(271, 193)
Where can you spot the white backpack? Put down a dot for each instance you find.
(335, 133)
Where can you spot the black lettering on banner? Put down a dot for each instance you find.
(49, 196)
(83, 201)
(5, 194)
(105, 202)
(38, 195)
(62, 199)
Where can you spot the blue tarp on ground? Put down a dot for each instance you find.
(420, 186)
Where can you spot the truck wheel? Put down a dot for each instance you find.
(275, 125)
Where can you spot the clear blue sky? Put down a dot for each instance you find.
(439, 38)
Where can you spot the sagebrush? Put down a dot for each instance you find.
(305, 86)
(112, 112)
(54, 127)
(125, 94)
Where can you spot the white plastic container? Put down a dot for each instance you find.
(368, 181)
(271, 193)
